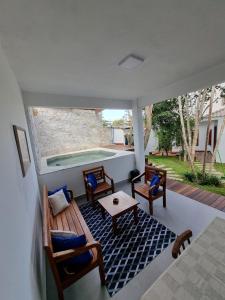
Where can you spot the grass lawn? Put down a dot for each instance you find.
(180, 167)
(220, 167)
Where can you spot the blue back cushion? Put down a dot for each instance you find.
(61, 243)
(64, 188)
(155, 180)
(91, 179)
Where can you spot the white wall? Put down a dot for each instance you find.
(118, 168)
(118, 136)
(202, 136)
(22, 270)
(152, 143)
(221, 156)
(55, 100)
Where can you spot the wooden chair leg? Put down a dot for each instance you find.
(60, 294)
(151, 208)
(93, 201)
(102, 273)
(164, 200)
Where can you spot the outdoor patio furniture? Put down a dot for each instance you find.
(125, 203)
(179, 242)
(69, 220)
(102, 185)
(144, 189)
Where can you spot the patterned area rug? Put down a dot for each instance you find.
(132, 249)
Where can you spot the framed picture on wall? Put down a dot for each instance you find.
(22, 147)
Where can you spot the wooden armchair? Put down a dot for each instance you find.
(102, 187)
(179, 242)
(144, 189)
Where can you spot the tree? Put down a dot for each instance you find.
(166, 123)
(148, 124)
(184, 135)
(118, 123)
(208, 128)
(165, 140)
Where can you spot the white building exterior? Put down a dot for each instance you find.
(217, 120)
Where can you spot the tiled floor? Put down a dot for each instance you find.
(181, 213)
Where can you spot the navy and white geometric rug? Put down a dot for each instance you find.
(132, 249)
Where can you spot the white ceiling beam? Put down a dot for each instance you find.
(62, 101)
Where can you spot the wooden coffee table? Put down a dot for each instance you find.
(126, 203)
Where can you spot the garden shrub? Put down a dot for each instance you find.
(190, 176)
(208, 179)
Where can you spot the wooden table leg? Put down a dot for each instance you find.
(114, 225)
(103, 212)
(135, 215)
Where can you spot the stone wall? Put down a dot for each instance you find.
(57, 131)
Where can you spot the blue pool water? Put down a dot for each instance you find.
(78, 158)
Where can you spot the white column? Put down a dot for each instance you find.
(138, 136)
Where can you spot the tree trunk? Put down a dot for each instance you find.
(188, 123)
(217, 143)
(198, 113)
(187, 148)
(148, 125)
(208, 129)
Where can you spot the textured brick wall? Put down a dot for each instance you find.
(63, 130)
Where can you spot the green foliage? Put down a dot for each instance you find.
(118, 122)
(190, 176)
(165, 140)
(166, 123)
(180, 167)
(201, 179)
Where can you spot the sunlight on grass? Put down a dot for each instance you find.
(180, 167)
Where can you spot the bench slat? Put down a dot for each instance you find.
(83, 223)
(76, 222)
(59, 221)
(64, 221)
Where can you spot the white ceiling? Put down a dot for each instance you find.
(73, 47)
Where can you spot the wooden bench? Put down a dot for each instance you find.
(72, 220)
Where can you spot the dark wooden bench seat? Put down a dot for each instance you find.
(70, 219)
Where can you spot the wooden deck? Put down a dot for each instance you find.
(211, 199)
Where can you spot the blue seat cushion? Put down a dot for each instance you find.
(61, 243)
(91, 179)
(155, 180)
(65, 191)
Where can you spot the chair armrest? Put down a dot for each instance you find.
(137, 177)
(71, 194)
(162, 181)
(110, 178)
(88, 186)
(66, 254)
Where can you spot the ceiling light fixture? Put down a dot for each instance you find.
(131, 61)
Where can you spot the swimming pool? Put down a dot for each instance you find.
(79, 158)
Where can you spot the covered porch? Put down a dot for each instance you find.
(97, 55)
(181, 213)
